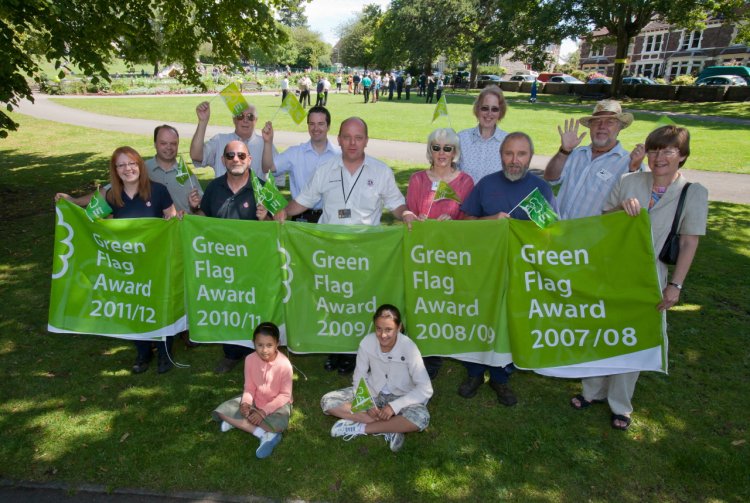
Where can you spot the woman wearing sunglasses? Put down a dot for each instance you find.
(426, 196)
(480, 145)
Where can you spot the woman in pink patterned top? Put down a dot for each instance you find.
(437, 193)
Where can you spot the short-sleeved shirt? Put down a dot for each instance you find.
(495, 193)
(367, 82)
(220, 202)
(178, 191)
(480, 156)
(586, 183)
(136, 207)
(363, 193)
(301, 161)
(213, 152)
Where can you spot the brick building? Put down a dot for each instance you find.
(661, 50)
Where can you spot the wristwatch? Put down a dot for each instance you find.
(563, 151)
(676, 285)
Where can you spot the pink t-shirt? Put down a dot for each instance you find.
(268, 385)
(420, 194)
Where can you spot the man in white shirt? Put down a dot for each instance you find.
(301, 161)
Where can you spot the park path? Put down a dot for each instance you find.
(726, 187)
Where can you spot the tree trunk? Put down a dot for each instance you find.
(156, 69)
(621, 54)
(474, 69)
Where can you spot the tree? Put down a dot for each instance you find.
(357, 44)
(624, 20)
(90, 33)
(312, 51)
(293, 16)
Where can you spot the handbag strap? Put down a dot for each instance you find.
(680, 204)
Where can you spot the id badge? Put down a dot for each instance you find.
(604, 174)
(345, 213)
(435, 186)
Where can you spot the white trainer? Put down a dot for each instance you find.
(395, 441)
(225, 427)
(345, 429)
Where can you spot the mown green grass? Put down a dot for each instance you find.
(715, 146)
(71, 412)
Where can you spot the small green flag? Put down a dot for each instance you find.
(445, 191)
(236, 103)
(664, 120)
(362, 399)
(538, 209)
(183, 172)
(293, 107)
(98, 207)
(268, 194)
(440, 109)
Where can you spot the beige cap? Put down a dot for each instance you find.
(609, 108)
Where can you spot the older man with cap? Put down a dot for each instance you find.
(588, 174)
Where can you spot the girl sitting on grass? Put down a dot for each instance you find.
(265, 405)
(392, 367)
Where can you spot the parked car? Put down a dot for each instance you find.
(545, 76)
(486, 80)
(522, 78)
(600, 80)
(567, 79)
(637, 80)
(721, 80)
(723, 71)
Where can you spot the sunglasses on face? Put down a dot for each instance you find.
(240, 155)
(242, 117)
(485, 108)
(446, 148)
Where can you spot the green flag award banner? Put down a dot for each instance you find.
(582, 297)
(120, 278)
(455, 280)
(338, 276)
(232, 278)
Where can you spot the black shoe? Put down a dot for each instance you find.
(347, 364)
(165, 365)
(139, 367)
(470, 386)
(505, 395)
(332, 362)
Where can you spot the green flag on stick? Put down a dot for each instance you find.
(538, 209)
(98, 208)
(293, 107)
(445, 191)
(362, 398)
(268, 194)
(183, 172)
(440, 109)
(235, 102)
(664, 120)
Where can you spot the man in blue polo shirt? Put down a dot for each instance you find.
(497, 196)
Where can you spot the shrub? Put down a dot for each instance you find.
(683, 80)
(579, 74)
(492, 70)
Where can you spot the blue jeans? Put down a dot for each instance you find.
(144, 349)
(497, 374)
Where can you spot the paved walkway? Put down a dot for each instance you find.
(727, 187)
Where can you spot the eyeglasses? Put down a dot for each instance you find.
(129, 164)
(446, 148)
(666, 152)
(485, 108)
(242, 117)
(240, 155)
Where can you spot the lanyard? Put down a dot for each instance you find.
(351, 189)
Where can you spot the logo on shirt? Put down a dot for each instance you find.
(148, 203)
(370, 182)
(245, 205)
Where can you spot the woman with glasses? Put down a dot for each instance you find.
(480, 145)
(133, 195)
(658, 192)
(432, 192)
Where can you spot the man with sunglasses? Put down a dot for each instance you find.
(210, 153)
(231, 196)
(587, 174)
(301, 161)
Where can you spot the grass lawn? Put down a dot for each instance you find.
(71, 412)
(715, 146)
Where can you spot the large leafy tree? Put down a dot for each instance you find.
(90, 33)
(357, 42)
(624, 20)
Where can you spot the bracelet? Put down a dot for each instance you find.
(563, 151)
(676, 285)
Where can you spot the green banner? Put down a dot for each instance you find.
(120, 278)
(338, 276)
(585, 292)
(232, 278)
(455, 276)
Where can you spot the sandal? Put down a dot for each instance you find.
(582, 402)
(624, 419)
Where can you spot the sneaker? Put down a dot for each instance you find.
(395, 441)
(346, 429)
(267, 444)
(225, 365)
(225, 427)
